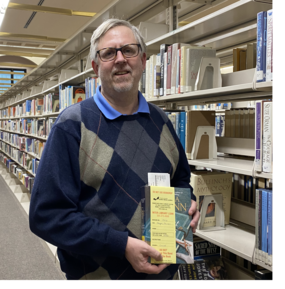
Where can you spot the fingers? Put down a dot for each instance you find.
(195, 220)
(154, 269)
(193, 208)
(154, 253)
(195, 216)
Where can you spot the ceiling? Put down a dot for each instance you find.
(36, 34)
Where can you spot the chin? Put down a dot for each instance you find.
(123, 88)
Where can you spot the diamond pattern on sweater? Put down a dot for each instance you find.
(94, 158)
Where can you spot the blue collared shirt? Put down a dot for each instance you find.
(110, 112)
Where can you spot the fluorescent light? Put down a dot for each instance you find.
(3, 8)
(26, 47)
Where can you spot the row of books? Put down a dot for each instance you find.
(263, 228)
(244, 187)
(26, 144)
(174, 70)
(264, 46)
(29, 107)
(91, 84)
(244, 58)
(211, 106)
(69, 95)
(264, 136)
(26, 178)
(179, 120)
(22, 158)
(32, 126)
(240, 123)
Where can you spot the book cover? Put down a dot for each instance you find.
(260, 46)
(204, 269)
(267, 144)
(257, 231)
(166, 223)
(208, 183)
(269, 45)
(205, 249)
(78, 94)
(269, 215)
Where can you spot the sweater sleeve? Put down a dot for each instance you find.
(55, 215)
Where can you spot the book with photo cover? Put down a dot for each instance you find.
(166, 223)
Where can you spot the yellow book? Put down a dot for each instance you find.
(166, 223)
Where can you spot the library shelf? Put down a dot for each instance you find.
(232, 165)
(25, 134)
(227, 93)
(21, 165)
(268, 267)
(51, 114)
(233, 239)
(16, 147)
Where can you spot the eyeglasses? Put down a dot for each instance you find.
(110, 53)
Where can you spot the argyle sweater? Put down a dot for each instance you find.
(86, 196)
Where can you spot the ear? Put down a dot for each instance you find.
(95, 67)
(144, 60)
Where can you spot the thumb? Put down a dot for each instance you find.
(154, 254)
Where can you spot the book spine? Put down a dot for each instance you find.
(267, 138)
(165, 74)
(177, 88)
(162, 50)
(264, 225)
(260, 225)
(256, 224)
(169, 67)
(264, 44)
(258, 136)
(269, 44)
(260, 47)
(270, 228)
(175, 47)
(177, 124)
(182, 128)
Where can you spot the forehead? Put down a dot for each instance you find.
(117, 37)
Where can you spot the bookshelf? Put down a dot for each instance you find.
(236, 26)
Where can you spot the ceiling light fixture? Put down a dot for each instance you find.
(3, 8)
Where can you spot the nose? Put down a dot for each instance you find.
(120, 57)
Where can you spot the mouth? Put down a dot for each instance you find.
(121, 73)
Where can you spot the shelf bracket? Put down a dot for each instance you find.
(172, 16)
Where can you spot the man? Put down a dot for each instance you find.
(86, 196)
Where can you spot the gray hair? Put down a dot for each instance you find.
(105, 27)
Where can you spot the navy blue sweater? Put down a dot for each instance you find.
(86, 195)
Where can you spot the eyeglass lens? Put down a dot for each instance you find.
(109, 53)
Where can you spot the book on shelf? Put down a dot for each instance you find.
(269, 46)
(263, 229)
(258, 135)
(211, 268)
(166, 223)
(156, 76)
(78, 93)
(208, 183)
(205, 249)
(263, 274)
(41, 124)
(267, 139)
(163, 55)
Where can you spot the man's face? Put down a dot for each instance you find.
(120, 74)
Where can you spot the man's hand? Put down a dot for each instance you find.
(137, 253)
(195, 215)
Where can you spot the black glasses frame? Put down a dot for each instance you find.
(119, 49)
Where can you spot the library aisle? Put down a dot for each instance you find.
(23, 256)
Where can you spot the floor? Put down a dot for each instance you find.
(23, 256)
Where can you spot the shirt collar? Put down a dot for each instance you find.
(109, 112)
